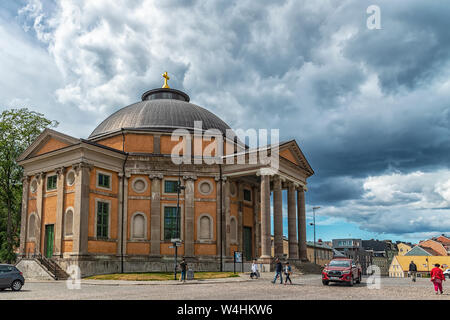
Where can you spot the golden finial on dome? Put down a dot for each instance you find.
(166, 77)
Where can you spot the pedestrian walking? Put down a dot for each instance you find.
(183, 266)
(278, 271)
(254, 272)
(413, 270)
(287, 273)
(437, 276)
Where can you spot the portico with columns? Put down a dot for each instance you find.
(291, 175)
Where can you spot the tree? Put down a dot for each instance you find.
(18, 129)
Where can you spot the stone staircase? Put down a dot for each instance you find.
(49, 268)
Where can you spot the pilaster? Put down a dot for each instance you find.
(189, 220)
(81, 209)
(155, 214)
(59, 211)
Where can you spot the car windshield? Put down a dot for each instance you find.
(339, 263)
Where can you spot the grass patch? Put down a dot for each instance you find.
(160, 276)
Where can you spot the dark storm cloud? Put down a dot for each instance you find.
(361, 103)
(411, 49)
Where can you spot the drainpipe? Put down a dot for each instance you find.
(123, 201)
(221, 217)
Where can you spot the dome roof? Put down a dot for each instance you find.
(161, 110)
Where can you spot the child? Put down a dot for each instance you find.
(287, 272)
(437, 276)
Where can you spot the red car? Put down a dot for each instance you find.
(341, 270)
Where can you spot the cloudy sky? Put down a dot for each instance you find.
(370, 108)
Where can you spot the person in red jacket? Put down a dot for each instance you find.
(437, 276)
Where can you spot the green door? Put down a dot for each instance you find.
(49, 237)
(248, 243)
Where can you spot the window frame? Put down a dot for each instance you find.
(47, 182)
(108, 236)
(171, 180)
(97, 178)
(164, 222)
(249, 192)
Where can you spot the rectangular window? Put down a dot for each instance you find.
(104, 180)
(102, 219)
(247, 195)
(170, 223)
(51, 182)
(170, 186)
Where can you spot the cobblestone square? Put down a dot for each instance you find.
(305, 287)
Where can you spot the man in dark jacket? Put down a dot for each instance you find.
(278, 271)
(183, 266)
(413, 270)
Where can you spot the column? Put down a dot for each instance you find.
(227, 208)
(59, 211)
(256, 223)
(240, 230)
(301, 221)
(38, 226)
(265, 219)
(24, 215)
(292, 223)
(277, 217)
(81, 209)
(155, 215)
(189, 216)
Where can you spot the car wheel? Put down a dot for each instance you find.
(2, 289)
(324, 282)
(350, 283)
(16, 285)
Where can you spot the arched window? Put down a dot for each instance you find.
(138, 226)
(32, 226)
(233, 229)
(68, 223)
(205, 227)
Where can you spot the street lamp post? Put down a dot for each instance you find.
(314, 224)
(177, 236)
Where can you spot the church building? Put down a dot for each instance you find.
(117, 202)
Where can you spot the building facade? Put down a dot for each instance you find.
(110, 203)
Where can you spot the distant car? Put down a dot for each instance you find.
(341, 270)
(11, 277)
(447, 273)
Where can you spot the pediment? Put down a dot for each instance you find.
(291, 152)
(49, 140)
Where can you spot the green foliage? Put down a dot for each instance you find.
(18, 129)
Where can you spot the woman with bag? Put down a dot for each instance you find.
(437, 276)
